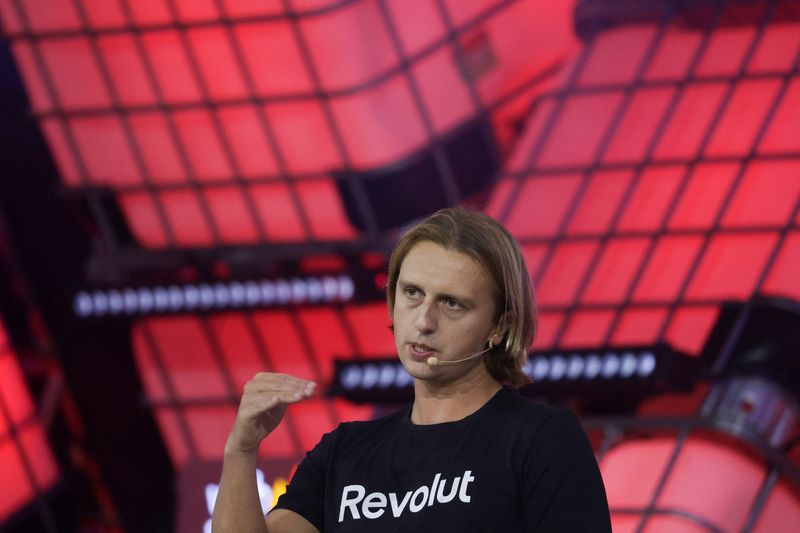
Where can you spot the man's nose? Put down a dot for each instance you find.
(425, 321)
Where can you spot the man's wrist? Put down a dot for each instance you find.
(237, 451)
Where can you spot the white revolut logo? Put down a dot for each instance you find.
(374, 505)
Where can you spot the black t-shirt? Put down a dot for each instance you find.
(512, 466)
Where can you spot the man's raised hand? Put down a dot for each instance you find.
(262, 407)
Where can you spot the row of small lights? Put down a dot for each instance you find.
(591, 366)
(375, 375)
(213, 296)
(539, 369)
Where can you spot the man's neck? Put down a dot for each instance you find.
(435, 403)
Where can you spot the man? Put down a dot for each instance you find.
(470, 454)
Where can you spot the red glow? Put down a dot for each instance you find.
(27, 465)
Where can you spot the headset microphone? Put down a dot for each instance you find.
(434, 361)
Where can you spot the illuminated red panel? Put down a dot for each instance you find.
(27, 466)
(252, 154)
(743, 118)
(183, 348)
(104, 150)
(325, 214)
(40, 98)
(314, 417)
(669, 265)
(298, 126)
(169, 423)
(53, 131)
(154, 12)
(278, 211)
(784, 279)
(534, 256)
(142, 212)
(57, 15)
(634, 135)
(249, 8)
(195, 10)
(780, 510)
(126, 69)
(216, 59)
(689, 328)
(616, 55)
(13, 391)
(102, 14)
(171, 66)
(766, 196)
(499, 195)
(674, 55)
(576, 137)
(209, 427)
(702, 198)
(560, 282)
(282, 442)
(709, 480)
(587, 328)
(186, 218)
(75, 74)
(200, 63)
(446, 109)
(652, 196)
(370, 324)
(776, 49)
(379, 125)
(284, 344)
(522, 157)
(155, 376)
(156, 145)
(541, 205)
(202, 145)
(614, 271)
(327, 338)
(344, 54)
(599, 202)
(16, 489)
(726, 50)
(731, 266)
(548, 325)
(233, 214)
(783, 132)
(414, 37)
(287, 73)
(689, 121)
(243, 355)
(37, 449)
(639, 326)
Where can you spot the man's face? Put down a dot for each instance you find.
(444, 307)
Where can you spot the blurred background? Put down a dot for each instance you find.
(192, 191)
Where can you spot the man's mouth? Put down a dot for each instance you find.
(421, 350)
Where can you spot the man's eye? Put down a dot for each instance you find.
(411, 292)
(452, 304)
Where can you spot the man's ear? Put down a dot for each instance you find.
(500, 331)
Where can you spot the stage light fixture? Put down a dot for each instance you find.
(175, 298)
(628, 373)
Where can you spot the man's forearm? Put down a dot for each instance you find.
(238, 508)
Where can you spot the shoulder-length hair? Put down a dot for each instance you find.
(492, 246)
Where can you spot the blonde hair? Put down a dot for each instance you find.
(492, 246)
